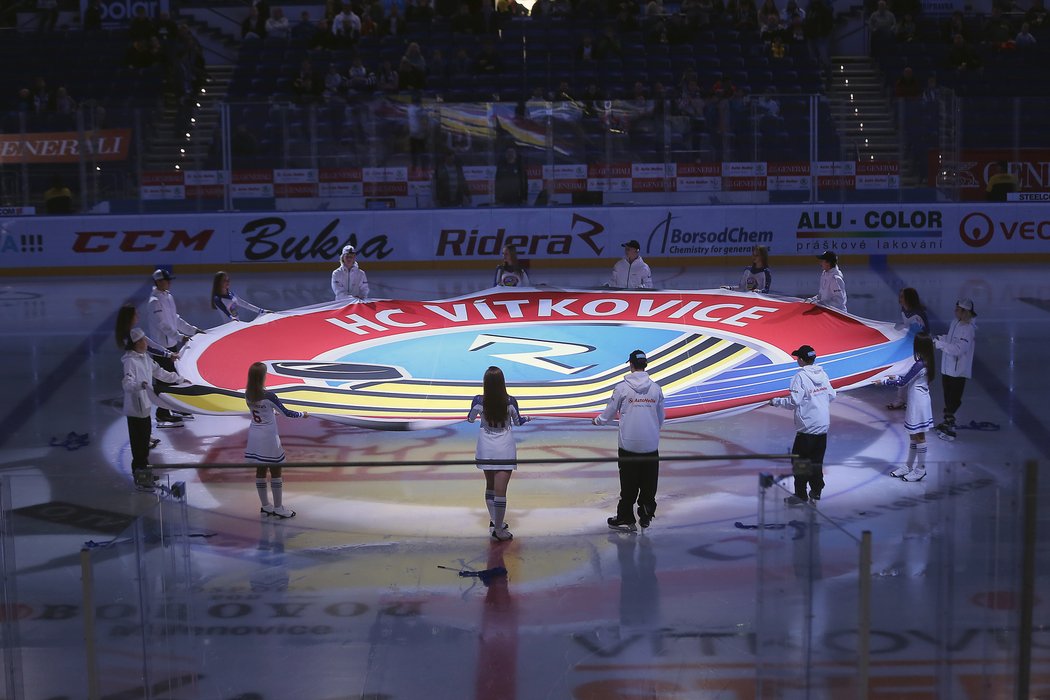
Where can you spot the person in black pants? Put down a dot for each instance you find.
(639, 401)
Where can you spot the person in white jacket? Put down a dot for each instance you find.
(832, 290)
(170, 330)
(630, 271)
(348, 280)
(639, 401)
(139, 372)
(809, 397)
(956, 363)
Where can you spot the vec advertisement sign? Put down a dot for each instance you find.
(674, 234)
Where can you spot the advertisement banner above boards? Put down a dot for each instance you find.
(457, 236)
(1031, 166)
(118, 13)
(64, 146)
(564, 178)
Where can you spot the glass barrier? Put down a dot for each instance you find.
(133, 582)
(725, 592)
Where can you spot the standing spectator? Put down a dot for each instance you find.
(817, 26)
(304, 83)
(956, 363)
(277, 27)
(226, 303)
(510, 272)
(264, 443)
(809, 397)
(450, 184)
(832, 291)
(348, 280)
(139, 372)
(1024, 38)
(630, 271)
(919, 416)
(512, 184)
(171, 331)
(639, 401)
(882, 25)
(496, 454)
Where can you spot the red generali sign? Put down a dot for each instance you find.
(64, 146)
(1030, 165)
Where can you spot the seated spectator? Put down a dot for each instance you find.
(907, 86)
(771, 28)
(92, 18)
(488, 62)
(961, 56)
(460, 67)
(140, 26)
(412, 71)
(58, 199)
(387, 78)
(64, 104)
(907, 29)
(333, 82)
(422, 12)
(997, 31)
(767, 105)
(304, 84)
(277, 27)
(392, 24)
(250, 26)
(304, 30)
(1001, 182)
(1036, 15)
(360, 79)
(585, 51)
(346, 26)
(608, 45)
(777, 49)
(1024, 38)
(138, 56)
(243, 143)
(956, 25)
(769, 7)
(165, 28)
(462, 22)
(792, 12)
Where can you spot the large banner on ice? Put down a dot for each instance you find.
(567, 233)
(410, 364)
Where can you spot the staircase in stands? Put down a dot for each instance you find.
(177, 145)
(863, 111)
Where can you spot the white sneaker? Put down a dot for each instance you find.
(266, 509)
(915, 475)
(283, 512)
(899, 472)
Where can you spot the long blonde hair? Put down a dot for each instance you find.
(256, 386)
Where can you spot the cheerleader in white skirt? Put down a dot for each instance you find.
(496, 452)
(918, 414)
(264, 444)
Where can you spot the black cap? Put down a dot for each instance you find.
(830, 256)
(632, 244)
(162, 274)
(805, 352)
(638, 358)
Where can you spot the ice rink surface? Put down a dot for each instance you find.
(730, 594)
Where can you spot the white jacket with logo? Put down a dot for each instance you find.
(832, 290)
(631, 275)
(349, 283)
(165, 324)
(957, 349)
(810, 397)
(139, 372)
(640, 402)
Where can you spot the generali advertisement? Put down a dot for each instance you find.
(64, 146)
(568, 233)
